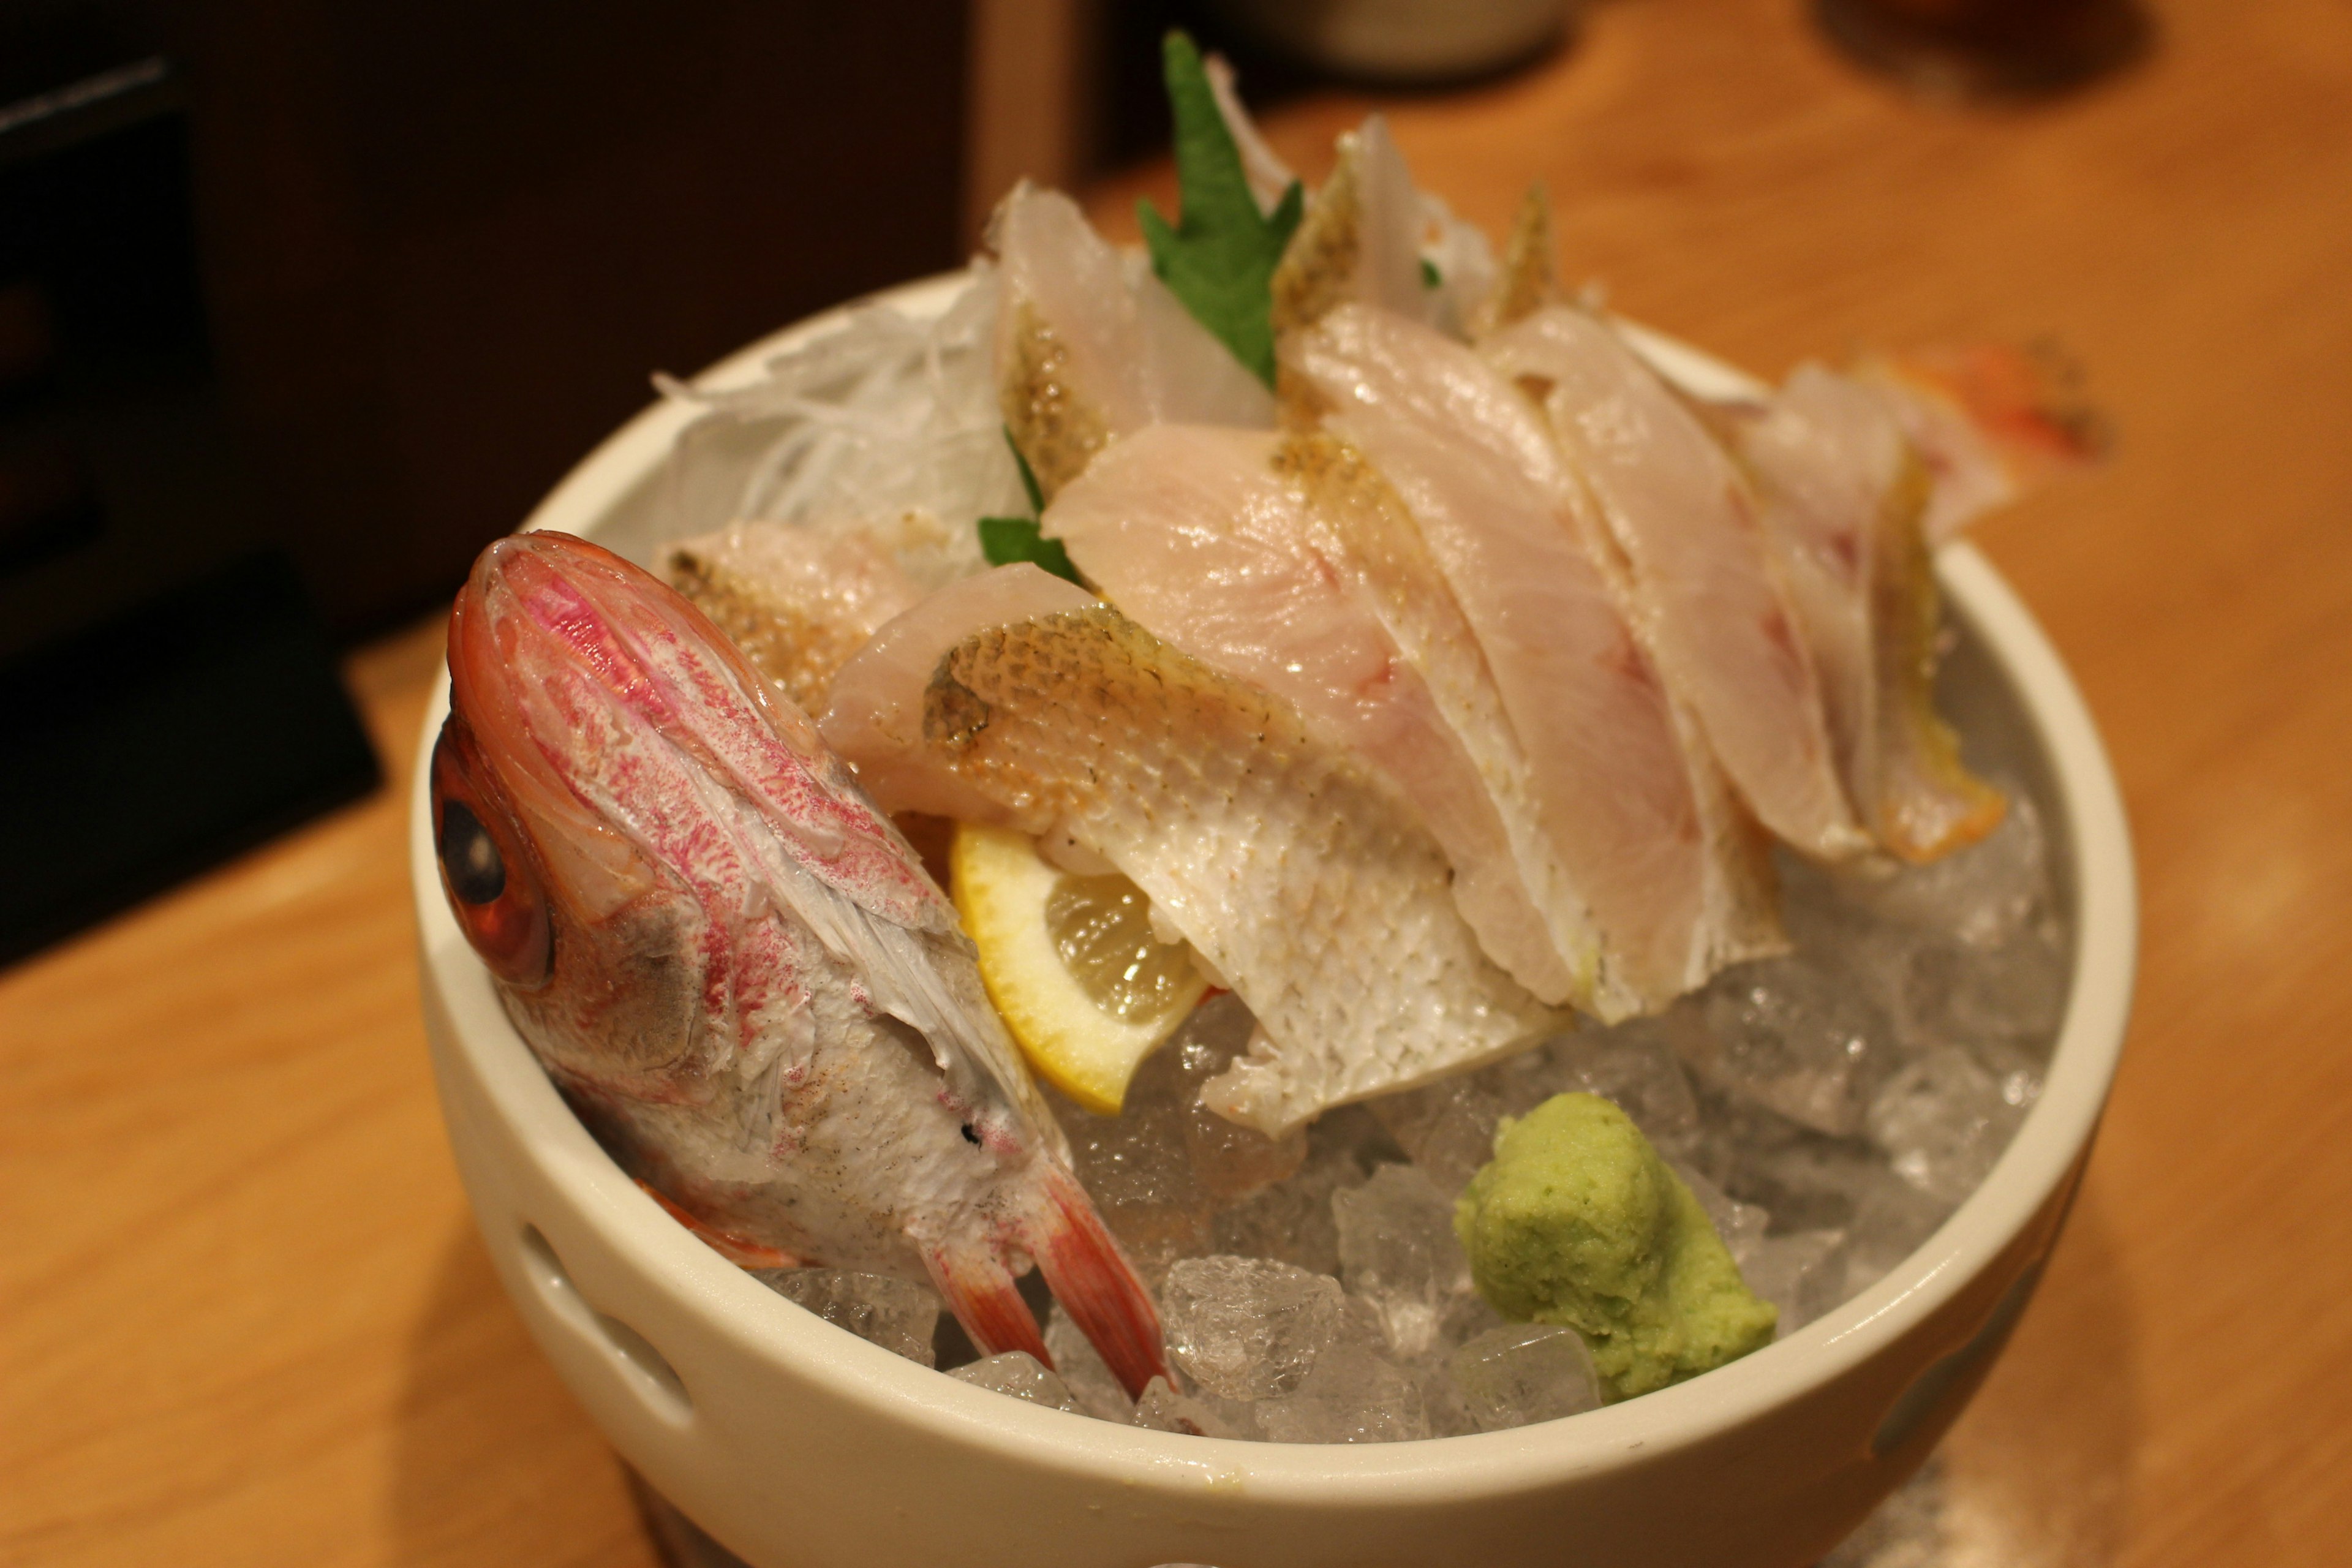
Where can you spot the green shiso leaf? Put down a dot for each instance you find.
(1005, 540)
(1028, 476)
(1429, 277)
(1219, 257)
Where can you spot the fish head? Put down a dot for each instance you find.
(608, 759)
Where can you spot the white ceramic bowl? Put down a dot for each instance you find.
(799, 1445)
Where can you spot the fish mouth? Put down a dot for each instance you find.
(541, 610)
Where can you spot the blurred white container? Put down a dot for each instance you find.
(799, 1445)
(1404, 40)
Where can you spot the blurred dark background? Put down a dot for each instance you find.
(360, 282)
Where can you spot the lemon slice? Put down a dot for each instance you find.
(1071, 963)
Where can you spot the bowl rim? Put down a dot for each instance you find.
(739, 1310)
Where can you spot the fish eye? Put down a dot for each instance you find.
(484, 870)
(469, 855)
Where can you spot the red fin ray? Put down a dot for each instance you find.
(1097, 1286)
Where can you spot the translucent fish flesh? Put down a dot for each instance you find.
(1706, 597)
(1089, 348)
(1627, 791)
(1845, 496)
(797, 601)
(1240, 548)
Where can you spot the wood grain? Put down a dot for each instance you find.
(242, 1315)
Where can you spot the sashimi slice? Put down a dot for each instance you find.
(1089, 349)
(1634, 804)
(1707, 598)
(1208, 539)
(1300, 874)
(1360, 240)
(1846, 497)
(874, 718)
(798, 601)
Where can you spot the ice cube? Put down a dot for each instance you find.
(1098, 1393)
(1249, 1328)
(1355, 1394)
(1163, 1409)
(1633, 1066)
(896, 1314)
(1943, 1120)
(1804, 1274)
(1291, 1221)
(1791, 1036)
(1524, 1373)
(1398, 1252)
(1981, 895)
(1138, 1170)
(1022, 1375)
(1230, 1161)
(1740, 1226)
(1446, 1128)
(1956, 994)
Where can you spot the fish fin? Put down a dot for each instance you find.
(1097, 1285)
(981, 1293)
(733, 1246)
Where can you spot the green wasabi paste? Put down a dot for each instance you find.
(1578, 1221)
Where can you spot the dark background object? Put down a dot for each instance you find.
(162, 740)
(304, 301)
(1989, 49)
(399, 267)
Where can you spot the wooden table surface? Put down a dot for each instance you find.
(242, 1313)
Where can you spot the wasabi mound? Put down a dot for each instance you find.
(1578, 1221)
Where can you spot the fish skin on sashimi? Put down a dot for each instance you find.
(1208, 539)
(1707, 598)
(1090, 349)
(1628, 793)
(873, 720)
(1297, 871)
(1846, 497)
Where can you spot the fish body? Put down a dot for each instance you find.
(1297, 871)
(1705, 595)
(727, 957)
(1630, 798)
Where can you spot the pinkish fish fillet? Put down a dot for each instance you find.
(1707, 598)
(1089, 349)
(1212, 541)
(796, 600)
(875, 718)
(1299, 873)
(1845, 496)
(1627, 791)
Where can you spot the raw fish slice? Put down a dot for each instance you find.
(1197, 535)
(1089, 350)
(1633, 804)
(1527, 280)
(1845, 495)
(873, 720)
(1360, 240)
(798, 602)
(1707, 598)
(1365, 514)
(1297, 872)
(1989, 422)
